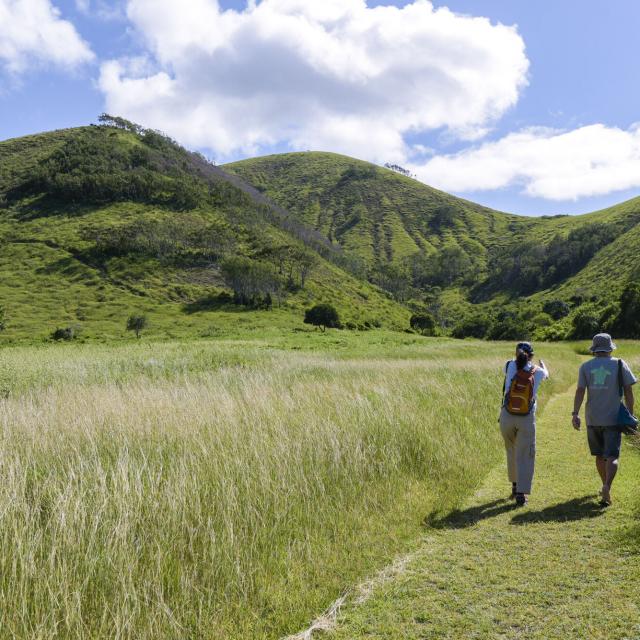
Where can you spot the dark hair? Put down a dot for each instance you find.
(527, 347)
(522, 357)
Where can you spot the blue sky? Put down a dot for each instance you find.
(551, 132)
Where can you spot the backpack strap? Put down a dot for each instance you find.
(504, 384)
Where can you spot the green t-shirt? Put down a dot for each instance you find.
(600, 377)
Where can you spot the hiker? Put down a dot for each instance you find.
(518, 418)
(607, 379)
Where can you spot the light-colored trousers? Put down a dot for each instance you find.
(519, 433)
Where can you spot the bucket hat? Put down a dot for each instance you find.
(602, 342)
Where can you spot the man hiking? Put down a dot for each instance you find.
(518, 418)
(603, 376)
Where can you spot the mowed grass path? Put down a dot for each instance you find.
(560, 567)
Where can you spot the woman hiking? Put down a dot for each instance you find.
(518, 418)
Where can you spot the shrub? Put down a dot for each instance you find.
(323, 316)
(253, 282)
(553, 333)
(425, 323)
(627, 322)
(137, 323)
(557, 309)
(609, 318)
(509, 326)
(67, 333)
(472, 327)
(585, 323)
(542, 320)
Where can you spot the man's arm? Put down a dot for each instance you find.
(577, 403)
(628, 397)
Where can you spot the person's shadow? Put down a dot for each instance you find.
(576, 509)
(460, 519)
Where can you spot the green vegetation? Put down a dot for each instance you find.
(426, 247)
(227, 488)
(136, 324)
(560, 568)
(234, 485)
(100, 222)
(324, 316)
(425, 323)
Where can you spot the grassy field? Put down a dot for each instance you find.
(561, 568)
(230, 488)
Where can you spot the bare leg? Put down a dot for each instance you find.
(611, 470)
(601, 465)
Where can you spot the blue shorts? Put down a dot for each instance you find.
(604, 441)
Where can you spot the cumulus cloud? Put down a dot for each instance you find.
(32, 32)
(557, 165)
(314, 74)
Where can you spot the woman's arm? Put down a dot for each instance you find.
(544, 368)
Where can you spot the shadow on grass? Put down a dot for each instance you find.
(576, 509)
(458, 519)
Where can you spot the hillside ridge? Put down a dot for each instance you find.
(119, 208)
(101, 222)
(455, 258)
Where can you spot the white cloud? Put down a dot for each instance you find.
(315, 74)
(107, 10)
(32, 32)
(557, 165)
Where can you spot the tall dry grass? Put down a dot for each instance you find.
(222, 501)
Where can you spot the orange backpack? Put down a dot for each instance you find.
(519, 397)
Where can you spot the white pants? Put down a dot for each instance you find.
(519, 433)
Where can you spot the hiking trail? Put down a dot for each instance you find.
(560, 567)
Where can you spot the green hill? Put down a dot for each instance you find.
(455, 257)
(98, 223)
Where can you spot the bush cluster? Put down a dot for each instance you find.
(579, 318)
(66, 334)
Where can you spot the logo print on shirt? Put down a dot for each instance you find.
(600, 376)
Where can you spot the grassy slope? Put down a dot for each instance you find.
(396, 216)
(394, 212)
(45, 281)
(376, 214)
(560, 568)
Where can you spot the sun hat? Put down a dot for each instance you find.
(602, 342)
(526, 347)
